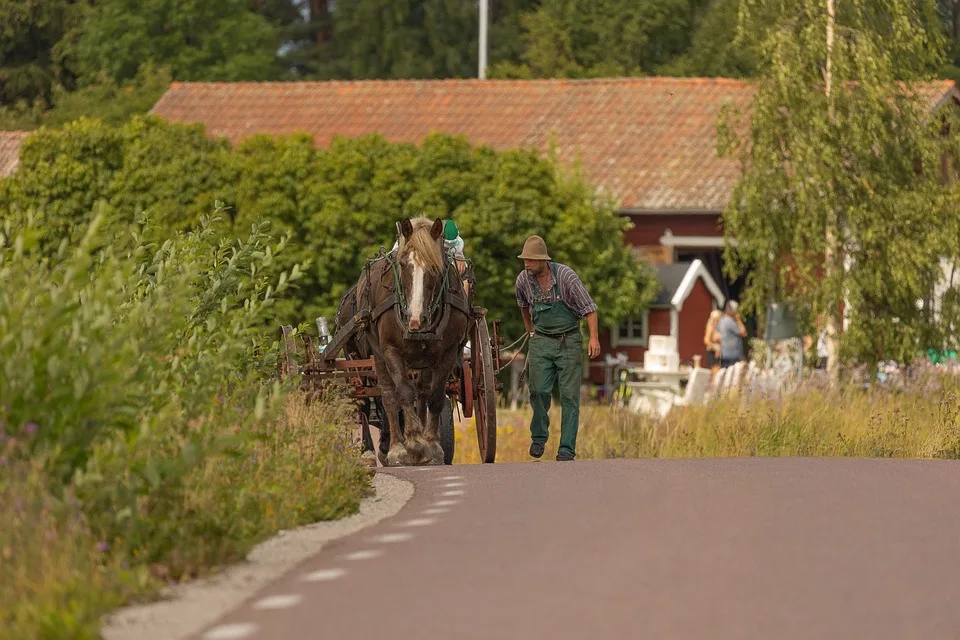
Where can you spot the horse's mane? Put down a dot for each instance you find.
(422, 244)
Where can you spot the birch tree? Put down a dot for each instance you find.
(842, 193)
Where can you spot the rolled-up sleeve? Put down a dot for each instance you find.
(523, 291)
(574, 294)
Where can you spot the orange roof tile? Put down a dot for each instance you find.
(10, 142)
(650, 142)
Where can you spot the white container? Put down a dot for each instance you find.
(662, 344)
(661, 361)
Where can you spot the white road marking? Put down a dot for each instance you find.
(446, 503)
(456, 492)
(364, 555)
(231, 631)
(323, 575)
(278, 602)
(394, 537)
(452, 478)
(435, 511)
(419, 522)
(450, 485)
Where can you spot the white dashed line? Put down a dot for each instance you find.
(419, 522)
(452, 478)
(364, 555)
(450, 485)
(445, 503)
(324, 575)
(231, 631)
(456, 492)
(278, 602)
(435, 511)
(394, 537)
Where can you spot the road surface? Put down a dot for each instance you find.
(723, 548)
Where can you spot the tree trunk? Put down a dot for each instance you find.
(318, 10)
(831, 255)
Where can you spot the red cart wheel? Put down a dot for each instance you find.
(484, 390)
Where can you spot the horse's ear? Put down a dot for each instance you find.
(437, 229)
(406, 228)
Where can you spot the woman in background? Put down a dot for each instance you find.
(711, 343)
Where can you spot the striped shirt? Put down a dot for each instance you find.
(572, 291)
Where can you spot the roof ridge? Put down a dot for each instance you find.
(624, 80)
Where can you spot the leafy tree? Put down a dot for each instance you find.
(602, 37)
(841, 196)
(223, 40)
(32, 62)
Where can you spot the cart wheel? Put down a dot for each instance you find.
(484, 391)
(446, 432)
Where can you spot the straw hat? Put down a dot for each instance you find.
(534, 249)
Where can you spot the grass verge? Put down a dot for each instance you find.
(60, 577)
(922, 422)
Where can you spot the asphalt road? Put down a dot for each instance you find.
(731, 548)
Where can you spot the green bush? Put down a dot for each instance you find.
(339, 204)
(141, 425)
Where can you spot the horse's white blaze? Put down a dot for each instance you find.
(416, 297)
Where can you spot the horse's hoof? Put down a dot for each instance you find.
(434, 453)
(397, 456)
(383, 458)
(368, 459)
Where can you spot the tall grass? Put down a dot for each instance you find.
(142, 437)
(921, 420)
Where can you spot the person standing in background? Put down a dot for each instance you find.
(711, 343)
(730, 332)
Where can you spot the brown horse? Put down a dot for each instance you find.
(420, 317)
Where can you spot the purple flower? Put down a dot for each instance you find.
(30, 428)
(102, 546)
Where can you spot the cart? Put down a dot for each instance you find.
(473, 385)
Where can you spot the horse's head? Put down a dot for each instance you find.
(421, 266)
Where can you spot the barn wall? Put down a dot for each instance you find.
(693, 321)
(649, 228)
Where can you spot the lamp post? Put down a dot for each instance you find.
(483, 39)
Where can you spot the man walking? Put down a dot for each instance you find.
(553, 301)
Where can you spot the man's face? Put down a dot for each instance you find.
(534, 267)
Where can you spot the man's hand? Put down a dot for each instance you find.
(593, 348)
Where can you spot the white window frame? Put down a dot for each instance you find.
(644, 325)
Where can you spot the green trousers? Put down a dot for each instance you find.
(553, 361)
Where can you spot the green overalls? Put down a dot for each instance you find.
(556, 354)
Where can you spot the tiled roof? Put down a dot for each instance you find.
(650, 142)
(10, 142)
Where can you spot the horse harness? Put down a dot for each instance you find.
(367, 318)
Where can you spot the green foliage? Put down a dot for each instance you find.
(140, 432)
(861, 165)
(578, 38)
(339, 204)
(222, 40)
(32, 60)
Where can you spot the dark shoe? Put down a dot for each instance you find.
(536, 449)
(563, 456)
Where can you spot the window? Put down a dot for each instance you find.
(631, 333)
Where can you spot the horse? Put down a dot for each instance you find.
(419, 320)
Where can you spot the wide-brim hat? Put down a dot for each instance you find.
(534, 249)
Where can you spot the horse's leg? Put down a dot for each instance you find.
(435, 393)
(368, 457)
(398, 395)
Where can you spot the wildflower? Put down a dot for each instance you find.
(30, 428)
(102, 546)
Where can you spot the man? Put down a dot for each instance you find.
(553, 301)
(731, 332)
